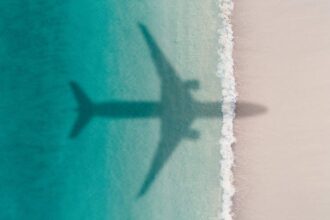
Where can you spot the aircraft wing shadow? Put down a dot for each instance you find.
(164, 151)
(175, 119)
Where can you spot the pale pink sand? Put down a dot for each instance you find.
(282, 61)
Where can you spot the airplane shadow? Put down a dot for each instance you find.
(176, 110)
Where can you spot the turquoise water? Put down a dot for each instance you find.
(46, 175)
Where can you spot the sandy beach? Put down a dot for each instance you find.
(281, 58)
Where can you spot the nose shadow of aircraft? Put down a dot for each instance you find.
(176, 110)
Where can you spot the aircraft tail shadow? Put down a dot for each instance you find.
(85, 110)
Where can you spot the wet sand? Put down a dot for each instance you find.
(282, 51)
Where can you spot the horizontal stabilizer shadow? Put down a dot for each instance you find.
(85, 109)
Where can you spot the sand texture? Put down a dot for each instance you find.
(282, 51)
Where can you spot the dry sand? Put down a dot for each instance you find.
(282, 58)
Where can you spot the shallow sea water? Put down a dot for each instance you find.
(44, 173)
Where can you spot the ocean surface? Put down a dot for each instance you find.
(99, 46)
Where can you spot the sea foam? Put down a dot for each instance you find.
(225, 71)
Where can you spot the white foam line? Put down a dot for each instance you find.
(225, 71)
